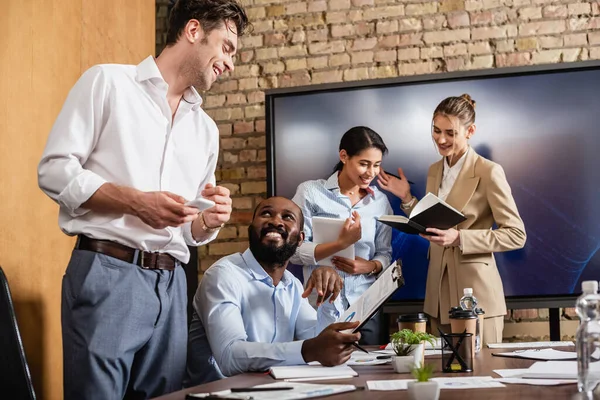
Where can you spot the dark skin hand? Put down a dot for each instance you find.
(331, 347)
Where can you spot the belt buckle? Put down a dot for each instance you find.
(142, 258)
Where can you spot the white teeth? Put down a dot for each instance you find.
(273, 235)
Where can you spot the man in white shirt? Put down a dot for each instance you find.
(130, 147)
(250, 313)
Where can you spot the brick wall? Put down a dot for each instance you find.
(321, 41)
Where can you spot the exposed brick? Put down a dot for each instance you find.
(232, 174)
(595, 53)
(246, 56)
(295, 64)
(293, 51)
(479, 48)
(458, 19)
(225, 86)
(339, 4)
(492, 3)
(594, 38)
(542, 28)
(262, 26)
(529, 43)
(512, 59)
(529, 13)
(227, 232)
(384, 27)
(579, 8)
(281, 24)
(356, 74)
(255, 13)
(256, 97)
(259, 125)
(488, 32)
(362, 3)
(317, 6)
(336, 60)
(355, 15)
(421, 9)
(248, 83)
(472, 5)
(451, 5)
(546, 57)
(226, 114)
(257, 142)
(254, 187)
(365, 28)
(257, 172)
(275, 11)
(336, 17)
(242, 127)
(266, 53)
(456, 64)
(295, 8)
(407, 39)
(254, 111)
(482, 62)
(447, 36)
(455, 50)
(388, 41)
(435, 22)
(274, 67)
(409, 24)
(305, 20)
(555, 11)
(408, 54)
(327, 76)
(232, 187)
(247, 155)
(243, 231)
(574, 40)
(596, 8)
(550, 42)
(242, 203)
(378, 13)
(274, 39)
(343, 30)
(233, 143)
(572, 55)
(244, 71)
(317, 62)
(337, 46)
(236, 98)
(362, 57)
(317, 35)
(417, 68)
(500, 17)
(432, 52)
(229, 158)
(482, 18)
(213, 101)
(225, 129)
(261, 155)
(297, 78)
(386, 56)
(364, 44)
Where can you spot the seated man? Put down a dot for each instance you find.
(250, 313)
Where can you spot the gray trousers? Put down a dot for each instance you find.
(124, 329)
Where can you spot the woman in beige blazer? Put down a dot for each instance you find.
(463, 256)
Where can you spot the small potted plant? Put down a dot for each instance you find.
(423, 388)
(409, 348)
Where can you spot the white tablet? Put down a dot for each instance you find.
(200, 203)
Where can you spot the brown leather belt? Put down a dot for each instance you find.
(145, 259)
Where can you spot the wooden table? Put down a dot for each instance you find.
(484, 364)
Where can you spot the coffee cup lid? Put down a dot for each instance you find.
(462, 314)
(419, 317)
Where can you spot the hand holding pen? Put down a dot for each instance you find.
(333, 346)
(397, 185)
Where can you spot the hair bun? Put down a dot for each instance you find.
(468, 98)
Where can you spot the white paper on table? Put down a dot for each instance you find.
(540, 354)
(366, 359)
(511, 373)
(468, 382)
(537, 382)
(525, 345)
(396, 384)
(558, 370)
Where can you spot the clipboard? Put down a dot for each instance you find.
(375, 296)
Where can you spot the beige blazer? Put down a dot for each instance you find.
(483, 195)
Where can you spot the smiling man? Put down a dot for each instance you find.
(130, 146)
(250, 313)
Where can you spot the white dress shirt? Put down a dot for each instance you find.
(449, 175)
(116, 126)
(249, 323)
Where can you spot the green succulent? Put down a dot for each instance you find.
(404, 341)
(422, 373)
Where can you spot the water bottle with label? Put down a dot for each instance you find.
(588, 337)
(469, 302)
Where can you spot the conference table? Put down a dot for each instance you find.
(484, 364)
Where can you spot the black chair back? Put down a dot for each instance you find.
(14, 371)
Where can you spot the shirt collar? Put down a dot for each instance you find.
(147, 70)
(259, 273)
(333, 183)
(458, 165)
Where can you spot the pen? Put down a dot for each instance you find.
(360, 348)
(259, 389)
(396, 176)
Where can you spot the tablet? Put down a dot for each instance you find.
(200, 203)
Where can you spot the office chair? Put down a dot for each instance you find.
(14, 371)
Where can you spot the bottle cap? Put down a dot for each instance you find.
(469, 291)
(589, 286)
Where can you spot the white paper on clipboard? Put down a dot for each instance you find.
(327, 230)
(378, 293)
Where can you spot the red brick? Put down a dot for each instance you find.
(458, 19)
(259, 125)
(513, 59)
(274, 39)
(256, 97)
(243, 127)
(247, 155)
(300, 78)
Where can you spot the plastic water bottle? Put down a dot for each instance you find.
(468, 301)
(588, 337)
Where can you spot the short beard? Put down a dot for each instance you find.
(197, 77)
(272, 254)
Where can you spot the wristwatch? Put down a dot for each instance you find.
(406, 206)
(205, 227)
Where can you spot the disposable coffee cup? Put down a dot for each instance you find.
(461, 320)
(414, 322)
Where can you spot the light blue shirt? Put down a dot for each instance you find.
(322, 198)
(251, 324)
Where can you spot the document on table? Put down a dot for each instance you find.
(558, 370)
(526, 345)
(515, 376)
(298, 391)
(540, 354)
(358, 358)
(467, 382)
(311, 371)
